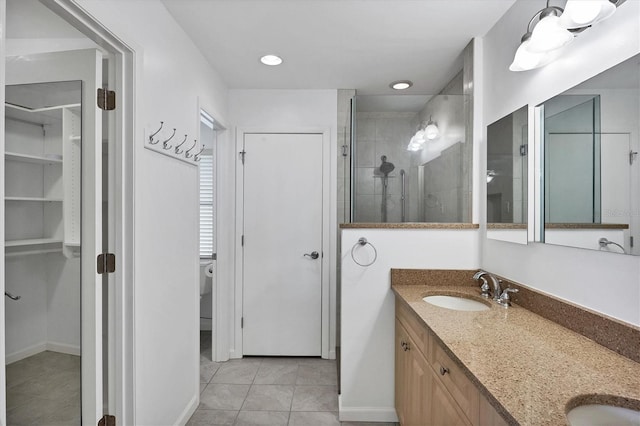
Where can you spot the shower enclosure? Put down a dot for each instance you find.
(398, 178)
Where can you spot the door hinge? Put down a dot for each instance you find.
(631, 241)
(242, 153)
(242, 322)
(106, 99)
(106, 263)
(242, 241)
(107, 420)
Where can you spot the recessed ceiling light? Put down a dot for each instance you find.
(401, 85)
(271, 60)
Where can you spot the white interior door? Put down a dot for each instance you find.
(282, 289)
(84, 65)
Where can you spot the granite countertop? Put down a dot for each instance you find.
(410, 225)
(531, 369)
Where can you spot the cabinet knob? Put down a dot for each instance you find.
(443, 371)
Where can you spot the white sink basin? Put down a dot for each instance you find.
(603, 415)
(456, 303)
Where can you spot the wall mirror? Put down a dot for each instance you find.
(507, 153)
(587, 139)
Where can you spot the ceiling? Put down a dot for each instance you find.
(336, 44)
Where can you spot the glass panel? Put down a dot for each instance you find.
(42, 223)
(411, 161)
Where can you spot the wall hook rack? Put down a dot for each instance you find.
(196, 157)
(174, 150)
(178, 150)
(155, 133)
(164, 143)
(187, 154)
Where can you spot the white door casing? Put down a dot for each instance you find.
(283, 221)
(85, 65)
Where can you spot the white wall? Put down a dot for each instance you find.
(173, 80)
(367, 334)
(280, 111)
(585, 277)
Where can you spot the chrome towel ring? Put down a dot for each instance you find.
(362, 241)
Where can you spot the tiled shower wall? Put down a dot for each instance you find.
(378, 134)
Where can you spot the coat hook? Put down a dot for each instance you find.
(155, 133)
(186, 154)
(178, 150)
(164, 144)
(197, 156)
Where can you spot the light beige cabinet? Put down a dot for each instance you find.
(430, 388)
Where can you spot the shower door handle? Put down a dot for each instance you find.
(313, 255)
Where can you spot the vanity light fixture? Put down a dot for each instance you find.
(427, 131)
(555, 28)
(271, 60)
(401, 84)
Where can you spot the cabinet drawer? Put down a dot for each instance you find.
(415, 329)
(457, 383)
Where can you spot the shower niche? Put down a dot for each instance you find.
(410, 158)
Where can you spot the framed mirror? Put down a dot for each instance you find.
(588, 141)
(507, 181)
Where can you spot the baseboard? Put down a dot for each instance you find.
(189, 410)
(63, 348)
(25, 353)
(365, 414)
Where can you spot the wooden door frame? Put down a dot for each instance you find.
(236, 349)
(125, 80)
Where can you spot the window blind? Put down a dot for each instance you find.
(206, 206)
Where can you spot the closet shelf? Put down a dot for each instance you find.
(37, 199)
(26, 158)
(32, 242)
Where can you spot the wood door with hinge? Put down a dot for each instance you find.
(282, 244)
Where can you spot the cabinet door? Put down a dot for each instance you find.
(85, 66)
(444, 410)
(401, 376)
(419, 380)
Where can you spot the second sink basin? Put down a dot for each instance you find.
(456, 303)
(603, 415)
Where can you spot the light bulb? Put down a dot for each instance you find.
(525, 60)
(582, 13)
(431, 131)
(548, 35)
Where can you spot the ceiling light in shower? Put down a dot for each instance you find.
(271, 60)
(401, 85)
(490, 175)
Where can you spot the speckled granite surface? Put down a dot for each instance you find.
(409, 225)
(531, 369)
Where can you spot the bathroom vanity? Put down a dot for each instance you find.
(502, 365)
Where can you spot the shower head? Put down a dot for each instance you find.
(386, 167)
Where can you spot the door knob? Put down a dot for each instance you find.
(313, 255)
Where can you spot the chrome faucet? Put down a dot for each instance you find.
(504, 298)
(484, 288)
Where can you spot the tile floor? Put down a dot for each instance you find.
(267, 391)
(44, 389)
